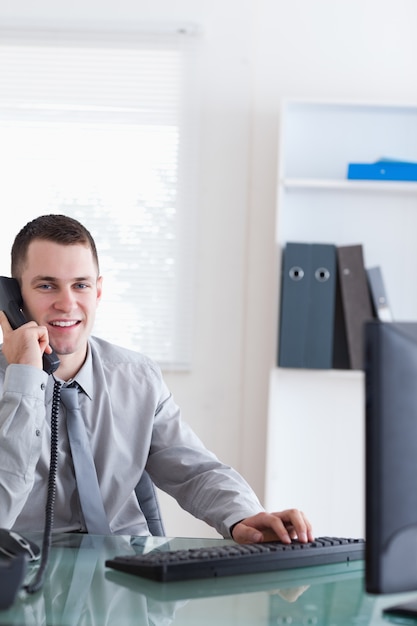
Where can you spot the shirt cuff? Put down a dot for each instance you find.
(233, 525)
(25, 380)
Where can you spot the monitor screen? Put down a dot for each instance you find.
(391, 457)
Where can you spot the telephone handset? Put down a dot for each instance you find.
(11, 303)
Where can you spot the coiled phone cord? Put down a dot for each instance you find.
(50, 499)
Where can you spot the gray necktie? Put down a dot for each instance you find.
(85, 471)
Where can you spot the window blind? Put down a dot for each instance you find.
(99, 126)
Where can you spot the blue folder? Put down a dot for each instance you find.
(383, 169)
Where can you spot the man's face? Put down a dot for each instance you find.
(61, 290)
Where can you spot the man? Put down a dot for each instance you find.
(131, 418)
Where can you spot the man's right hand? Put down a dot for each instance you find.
(26, 344)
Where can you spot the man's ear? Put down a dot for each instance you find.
(99, 288)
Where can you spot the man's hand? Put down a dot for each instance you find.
(26, 344)
(283, 526)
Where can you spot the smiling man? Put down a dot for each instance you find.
(131, 418)
(61, 290)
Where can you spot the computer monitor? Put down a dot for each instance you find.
(391, 460)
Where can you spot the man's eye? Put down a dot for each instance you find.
(81, 286)
(44, 287)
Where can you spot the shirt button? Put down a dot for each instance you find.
(43, 386)
(38, 432)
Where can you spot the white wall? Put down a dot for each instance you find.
(255, 52)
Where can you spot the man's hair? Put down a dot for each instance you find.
(57, 228)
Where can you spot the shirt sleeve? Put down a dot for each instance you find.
(22, 418)
(181, 465)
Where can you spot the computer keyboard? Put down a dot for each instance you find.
(233, 559)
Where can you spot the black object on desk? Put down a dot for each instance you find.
(230, 560)
(12, 574)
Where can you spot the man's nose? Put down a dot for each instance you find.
(65, 300)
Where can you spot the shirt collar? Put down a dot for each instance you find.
(84, 376)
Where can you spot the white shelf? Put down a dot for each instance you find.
(331, 184)
(326, 375)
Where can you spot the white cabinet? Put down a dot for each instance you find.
(315, 458)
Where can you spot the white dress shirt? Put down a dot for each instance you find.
(133, 423)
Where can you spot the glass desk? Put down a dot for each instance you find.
(80, 590)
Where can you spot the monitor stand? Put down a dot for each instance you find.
(405, 610)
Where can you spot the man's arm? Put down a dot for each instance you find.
(22, 418)
(180, 464)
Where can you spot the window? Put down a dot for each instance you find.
(99, 126)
